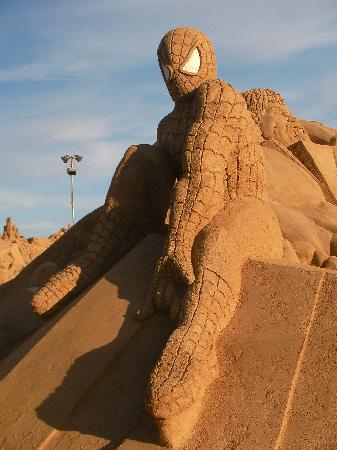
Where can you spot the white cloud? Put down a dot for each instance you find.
(268, 31)
(41, 226)
(36, 130)
(69, 129)
(319, 101)
(109, 36)
(37, 71)
(20, 198)
(102, 157)
(17, 198)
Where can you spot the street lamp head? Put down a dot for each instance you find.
(65, 158)
(78, 158)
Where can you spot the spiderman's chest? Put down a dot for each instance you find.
(175, 129)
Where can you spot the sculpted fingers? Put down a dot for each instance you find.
(148, 307)
(175, 303)
(160, 295)
(165, 294)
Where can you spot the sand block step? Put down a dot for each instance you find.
(310, 419)
(278, 384)
(88, 337)
(269, 378)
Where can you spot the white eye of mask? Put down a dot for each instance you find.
(166, 73)
(192, 65)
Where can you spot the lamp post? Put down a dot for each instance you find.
(72, 170)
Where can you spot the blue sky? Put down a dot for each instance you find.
(81, 76)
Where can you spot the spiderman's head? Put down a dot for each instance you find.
(187, 59)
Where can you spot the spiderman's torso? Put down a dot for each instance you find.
(173, 129)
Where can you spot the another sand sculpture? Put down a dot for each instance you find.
(10, 230)
(277, 123)
(16, 252)
(271, 114)
(208, 155)
(304, 197)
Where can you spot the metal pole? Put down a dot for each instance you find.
(71, 170)
(72, 193)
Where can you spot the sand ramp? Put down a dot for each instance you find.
(47, 377)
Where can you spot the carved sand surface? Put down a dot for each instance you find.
(233, 181)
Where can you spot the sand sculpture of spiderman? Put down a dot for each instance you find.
(207, 169)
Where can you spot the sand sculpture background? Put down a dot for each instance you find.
(16, 252)
(306, 210)
(208, 169)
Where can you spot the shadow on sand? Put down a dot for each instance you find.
(110, 405)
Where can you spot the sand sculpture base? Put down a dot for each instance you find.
(79, 381)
